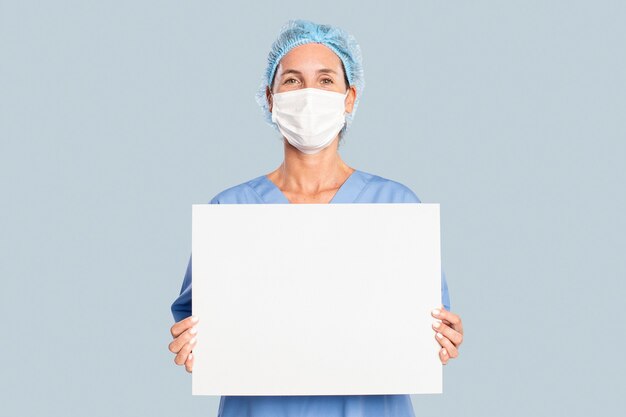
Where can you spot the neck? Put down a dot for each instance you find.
(308, 174)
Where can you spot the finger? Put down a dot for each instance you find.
(178, 328)
(177, 344)
(450, 350)
(183, 355)
(189, 363)
(443, 356)
(454, 336)
(450, 318)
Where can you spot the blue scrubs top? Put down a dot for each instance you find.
(360, 187)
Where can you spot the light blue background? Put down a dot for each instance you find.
(115, 117)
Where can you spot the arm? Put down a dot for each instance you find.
(445, 294)
(181, 307)
(448, 326)
(184, 330)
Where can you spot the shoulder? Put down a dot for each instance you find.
(387, 189)
(245, 192)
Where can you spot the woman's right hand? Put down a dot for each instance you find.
(184, 334)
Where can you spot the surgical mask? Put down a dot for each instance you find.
(309, 118)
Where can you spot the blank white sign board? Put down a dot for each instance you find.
(316, 299)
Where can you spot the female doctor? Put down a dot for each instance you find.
(310, 92)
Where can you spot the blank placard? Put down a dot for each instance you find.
(316, 299)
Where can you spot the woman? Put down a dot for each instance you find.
(310, 92)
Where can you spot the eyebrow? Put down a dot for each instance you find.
(322, 70)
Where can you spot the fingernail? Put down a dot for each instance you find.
(192, 341)
(444, 351)
(439, 335)
(436, 324)
(190, 356)
(194, 319)
(436, 312)
(193, 330)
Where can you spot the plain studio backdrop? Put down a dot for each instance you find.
(117, 116)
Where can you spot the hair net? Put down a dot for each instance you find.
(299, 32)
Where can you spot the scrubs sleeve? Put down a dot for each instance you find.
(411, 197)
(181, 307)
(445, 295)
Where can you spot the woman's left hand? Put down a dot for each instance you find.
(448, 332)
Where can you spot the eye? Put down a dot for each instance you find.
(287, 81)
(330, 81)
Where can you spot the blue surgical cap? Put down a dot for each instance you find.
(299, 32)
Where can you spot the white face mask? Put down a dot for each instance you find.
(309, 118)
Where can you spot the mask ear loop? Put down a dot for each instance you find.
(345, 97)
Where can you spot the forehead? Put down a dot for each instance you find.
(310, 55)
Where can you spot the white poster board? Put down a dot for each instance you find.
(316, 299)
